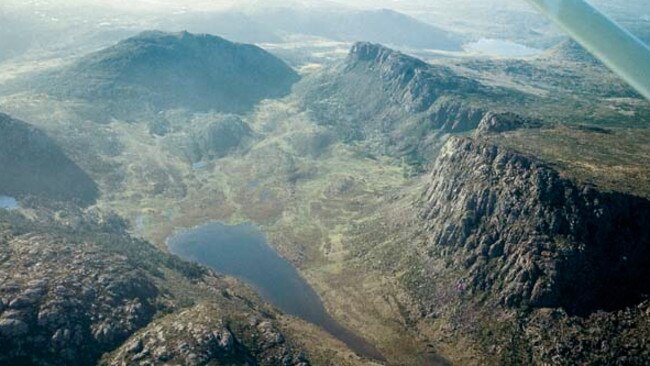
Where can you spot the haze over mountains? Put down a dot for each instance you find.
(447, 208)
(439, 24)
(267, 23)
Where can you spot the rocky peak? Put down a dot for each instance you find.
(378, 54)
(403, 103)
(502, 122)
(204, 335)
(411, 83)
(531, 237)
(178, 39)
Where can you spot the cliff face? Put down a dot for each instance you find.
(531, 237)
(409, 81)
(395, 102)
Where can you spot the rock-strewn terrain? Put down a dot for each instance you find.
(66, 304)
(74, 285)
(202, 334)
(509, 262)
(533, 237)
(491, 267)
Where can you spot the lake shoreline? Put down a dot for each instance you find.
(242, 250)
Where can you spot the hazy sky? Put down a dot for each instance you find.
(431, 7)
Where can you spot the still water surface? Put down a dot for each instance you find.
(501, 48)
(8, 203)
(241, 251)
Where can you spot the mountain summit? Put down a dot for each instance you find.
(157, 70)
(403, 102)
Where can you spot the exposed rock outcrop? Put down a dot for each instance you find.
(532, 237)
(203, 334)
(503, 122)
(410, 82)
(67, 303)
(75, 285)
(396, 103)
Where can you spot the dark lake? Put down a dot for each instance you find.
(242, 251)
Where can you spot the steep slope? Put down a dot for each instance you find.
(533, 237)
(395, 103)
(495, 123)
(75, 286)
(33, 165)
(156, 71)
(205, 334)
(508, 261)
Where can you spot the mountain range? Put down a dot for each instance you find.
(156, 70)
(457, 210)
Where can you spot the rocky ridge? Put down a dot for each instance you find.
(405, 104)
(494, 123)
(202, 334)
(532, 237)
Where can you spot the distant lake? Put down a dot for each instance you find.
(500, 48)
(8, 203)
(241, 251)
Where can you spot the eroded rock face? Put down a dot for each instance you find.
(451, 116)
(614, 338)
(395, 103)
(204, 334)
(411, 82)
(531, 237)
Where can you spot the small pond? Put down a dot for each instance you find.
(8, 203)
